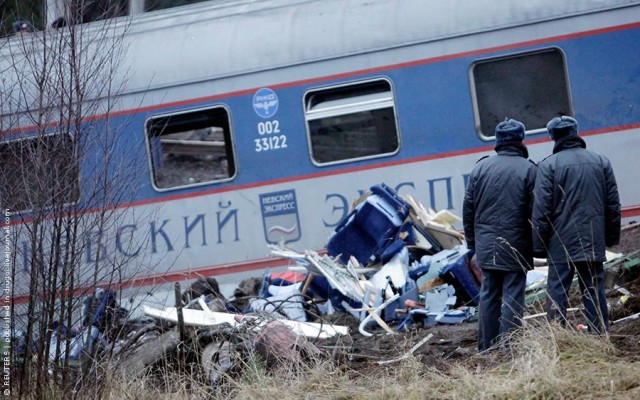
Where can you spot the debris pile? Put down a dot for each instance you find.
(393, 264)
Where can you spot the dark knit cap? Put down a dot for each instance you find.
(560, 127)
(509, 131)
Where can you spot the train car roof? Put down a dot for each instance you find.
(216, 39)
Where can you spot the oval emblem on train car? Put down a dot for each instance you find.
(265, 102)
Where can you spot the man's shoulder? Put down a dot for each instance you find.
(600, 156)
(548, 159)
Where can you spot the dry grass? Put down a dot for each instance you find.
(544, 362)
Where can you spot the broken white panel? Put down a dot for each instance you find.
(440, 298)
(206, 318)
(339, 277)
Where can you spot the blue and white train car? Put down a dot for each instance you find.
(251, 122)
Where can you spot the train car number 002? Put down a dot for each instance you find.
(268, 127)
(273, 141)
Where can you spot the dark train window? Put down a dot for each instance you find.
(351, 122)
(39, 172)
(531, 87)
(190, 148)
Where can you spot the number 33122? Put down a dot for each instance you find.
(271, 143)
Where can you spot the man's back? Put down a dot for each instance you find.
(502, 186)
(576, 213)
(576, 208)
(495, 214)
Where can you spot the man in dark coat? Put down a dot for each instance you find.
(496, 218)
(576, 214)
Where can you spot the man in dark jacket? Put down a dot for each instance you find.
(576, 214)
(496, 218)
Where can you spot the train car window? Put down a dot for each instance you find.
(351, 122)
(38, 172)
(190, 148)
(531, 87)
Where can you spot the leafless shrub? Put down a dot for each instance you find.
(63, 172)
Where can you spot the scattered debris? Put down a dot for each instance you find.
(629, 318)
(150, 352)
(391, 266)
(388, 252)
(409, 353)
